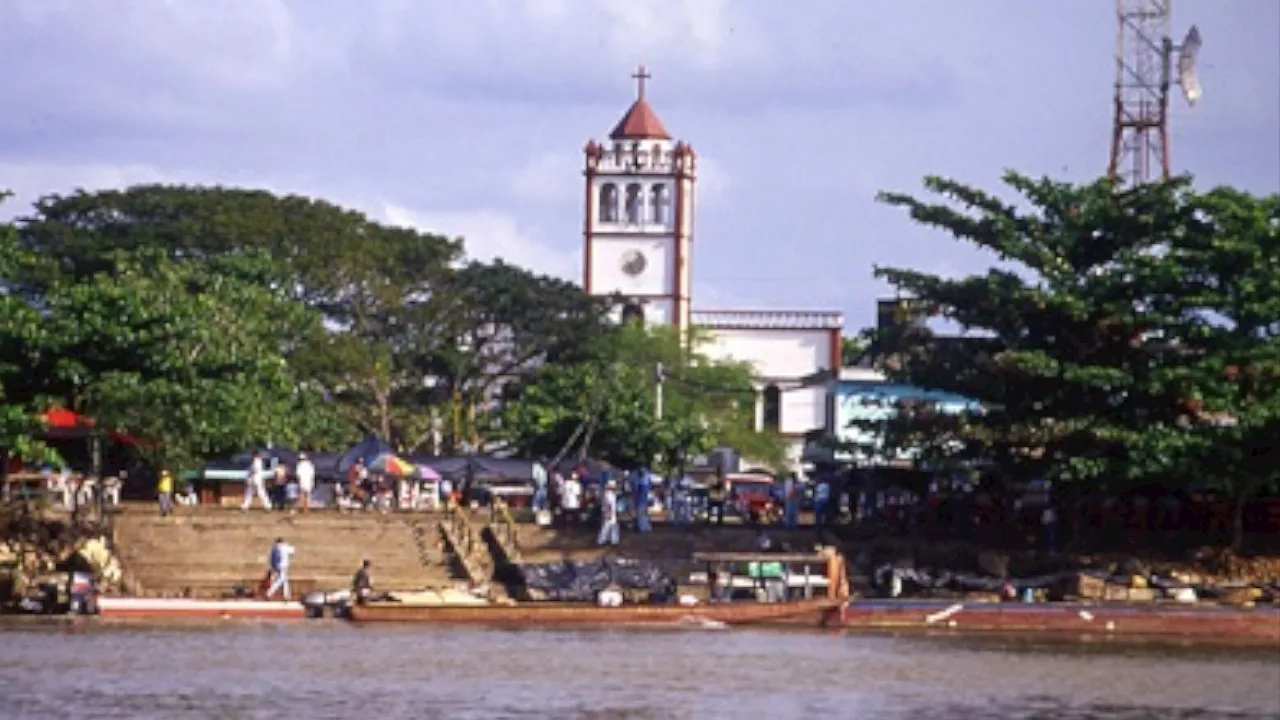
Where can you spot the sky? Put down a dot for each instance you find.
(468, 117)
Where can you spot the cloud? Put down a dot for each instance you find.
(30, 181)
(551, 177)
(490, 235)
(470, 117)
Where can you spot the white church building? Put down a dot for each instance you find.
(638, 242)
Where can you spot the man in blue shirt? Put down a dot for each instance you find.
(643, 487)
(821, 501)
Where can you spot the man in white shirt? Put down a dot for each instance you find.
(255, 483)
(305, 472)
(571, 499)
(281, 551)
(609, 515)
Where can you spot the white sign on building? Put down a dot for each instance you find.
(638, 242)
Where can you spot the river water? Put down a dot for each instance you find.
(334, 670)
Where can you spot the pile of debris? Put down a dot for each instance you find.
(1125, 580)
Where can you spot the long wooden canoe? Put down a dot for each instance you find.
(806, 612)
(167, 608)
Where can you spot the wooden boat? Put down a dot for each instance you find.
(814, 613)
(178, 608)
(1211, 624)
(807, 610)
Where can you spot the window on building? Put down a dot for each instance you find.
(772, 408)
(608, 203)
(635, 203)
(658, 204)
(632, 313)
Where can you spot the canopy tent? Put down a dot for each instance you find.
(587, 466)
(366, 451)
(236, 466)
(477, 469)
(61, 423)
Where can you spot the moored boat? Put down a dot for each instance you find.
(178, 608)
(813, 613)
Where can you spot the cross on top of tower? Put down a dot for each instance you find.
(640, 76)
(640, 122)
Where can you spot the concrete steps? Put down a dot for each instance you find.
(205, 552)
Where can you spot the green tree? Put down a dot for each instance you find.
(373, 284)
(1099, 347)
(189, 355)
(19, 323)
(406, 335)
(1220, 278)
(504, 324)
(607, 404)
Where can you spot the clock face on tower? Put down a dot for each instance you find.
(634, 262)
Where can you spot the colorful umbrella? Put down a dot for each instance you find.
(428, 474)
(391, 465)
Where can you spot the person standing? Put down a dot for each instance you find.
(279, 484)
(790, 502)
(255, 483)
(643, 488)
(717, 495)
(822, 502)
(164, 493)
(362, 583)
(1049, 528)
(571, 500)
(281, 551)
(609, 534)
(540, 479)
(305, 472)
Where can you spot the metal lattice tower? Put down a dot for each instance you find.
(1140, 136)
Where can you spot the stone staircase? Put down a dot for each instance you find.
(205, 552)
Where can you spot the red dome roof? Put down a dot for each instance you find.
(640, 123)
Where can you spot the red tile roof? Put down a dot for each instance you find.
(640, 123)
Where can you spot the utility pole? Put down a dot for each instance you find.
(659, 374)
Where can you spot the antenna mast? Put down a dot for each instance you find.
(1140, 135)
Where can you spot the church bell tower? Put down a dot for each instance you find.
(638, 224)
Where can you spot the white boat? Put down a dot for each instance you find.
(157, 608)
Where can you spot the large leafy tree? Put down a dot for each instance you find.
(1221, 283)
(19, 323)
(1102, 347)
(190, 356)
(505, 324)
(372, 284)
(606, 405)
(407, 334)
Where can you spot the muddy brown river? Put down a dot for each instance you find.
(333, 670)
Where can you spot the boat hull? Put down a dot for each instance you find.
(180, 608)
(814, 613)
(1209, 624)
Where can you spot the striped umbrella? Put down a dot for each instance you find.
(389, 464)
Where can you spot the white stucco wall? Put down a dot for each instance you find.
(773, 353)
(803, 409)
